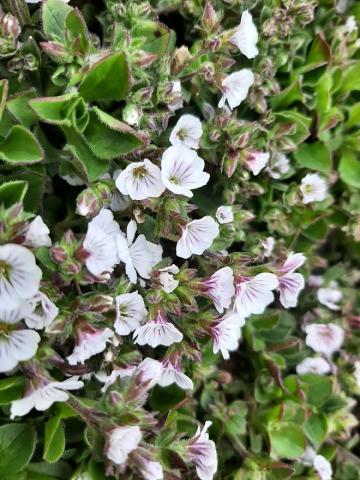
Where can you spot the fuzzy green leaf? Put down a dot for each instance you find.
(11, 389)
(54, 14)
(314, 156)
(76, 32)
(17, 445)
(12, 192)
(54, 440)
(53, 110)
(4, 87)
(19, 107)
(351, 79)
(315, 428)
(349, 169)
(20, 147)
(287, 440)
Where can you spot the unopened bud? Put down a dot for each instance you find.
(58, 254)
(91, 200)
(11, 27)
(209, 19)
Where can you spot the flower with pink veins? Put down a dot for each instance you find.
(254, 294)
(201, 451)
(220, 288)
(226, 334)
(121, 441)
(329, 297)
(290, 282)
(172, 373)
(130, 312)
(90, 342)
(157, 332)
(196, 237)
(255, 161)
(325, 338)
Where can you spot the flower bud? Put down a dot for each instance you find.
(209, 19)
(11, 27)
(91, 200)
(58, 254)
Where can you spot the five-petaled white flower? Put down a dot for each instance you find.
(280, 164)
(196, 237)
(220, 288)
(157, 332)
(166, 278)
(313, 188)
(183, 170)
(140, 255)
(121, 441)
(172, 373)
(246, 36)
(316, 365)
(17, 344)
(140, 180)
(90, 342)
(290, 282)
(19, 275)
(224, 214)
(254, 294)
(201, 451)
(130, 312)
(187, 132)
(43, 395)
(37, 234)
(325, 338)
(226, 334)
(235, 87)
(329, 297)
(43, 311)
(255, 161)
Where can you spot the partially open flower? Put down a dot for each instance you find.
(290, 282)
(121, 441)
(140, 180)
(280, 165)
(187, 132)
(90, 342)
(172, 373)
(329, 297)
(246, 36)
(157, 332)
(201, 451)
(43, 311)
(166, 278)
(196, 237)
(255, 161)
(235, 87)
(220, 288)
(37, 234)
(226, 334)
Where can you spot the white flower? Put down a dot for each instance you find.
(246, 36)
(151, 470)
(149, 372)
(130, 312)
(224, 214)
(323, 467)
(329, 297)
(357, 372)
(255, 161)
(235, 87)
(196, 237)
(99, 244)
(226, 334)
(122, 441)
(172, 373)
(140, 180)
(183, 170)
(19, 275)
(350, 24)
(324, 338)
(202, 453)
(290, 283)
(139, 256)
(90, 342)
(313, 365)
(280, 164)
(220, 288)
(157, 332)
(108, 380)
(187, 132)
(307, 458)
(43, 311)
(268, 245)
(254, 294)
(313, 188)
(37, 234)
(42, 397)
(177, 99)
(166, 278)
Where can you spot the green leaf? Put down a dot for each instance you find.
(108, 137)
(349, 169)
(54, 440)
(351, 79)
(297, 124)
(316, 428)
(53, 110)
(319, 388)
(12, 192)
(156, 37)
(11, 389)
(17, 445)
(48, 471)
(319, 55)
(107, 79)
(54, 13)
(19, 108)
(4, 88)
(20, 147)
(314, 156)
(287, 96)
(34, 175)
(354, 115)
(287, 440)
(76, 32)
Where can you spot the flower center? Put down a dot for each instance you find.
(174, 179)
(5, 328)
(4, 270)
(181, 134)
(140, 172)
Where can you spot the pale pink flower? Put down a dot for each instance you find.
(196, 237)
(329, 297)
(130, 312)
(201, 451)
(324, 338)
(140, 180)
(157, 332)
(255, 161)
(226, 334)
(290, 283)
(220, 288)
(121, 441)
(254, 294)
(224, 214)
(246, 36)
(149, 372)
(187, 132)
(235, 88)
(90, 342)
(316, 365)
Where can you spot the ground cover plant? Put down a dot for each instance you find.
(179, 239)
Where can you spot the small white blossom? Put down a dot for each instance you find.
(149, 372)
(139, 256)
(268, 245)
(290, 283)
(313, 188)
(166, 278)
(246, 36)
(19, 275)
(196, 237)
(43, 396)
(90, 342)
(280, 164)
(201, 451)
(324, 338)
(227, 333)
(43, 311)
(172, 373)
(130, 312)
(316, 365)
(329, 297)
(157, 332)
(177, 100)
(254, 294)
(182, 170)
(235, 88)
(187, 132)
(37, 234)
(220, 288)
(122, 441)
(255, 161)
(224, 214)
(140, 180)
(151, 470)
(350, 24)
(323, 467)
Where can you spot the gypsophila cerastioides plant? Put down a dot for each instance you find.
(179, 239)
